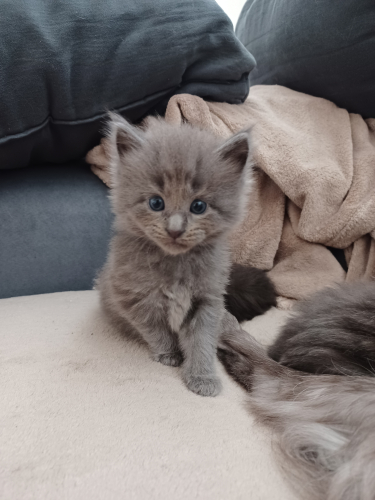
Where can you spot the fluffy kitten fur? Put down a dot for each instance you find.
(167, 271)
(325, 423)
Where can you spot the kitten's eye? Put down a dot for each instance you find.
(156, 203)
(198, 207)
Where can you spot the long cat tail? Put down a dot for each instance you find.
(325, 424)
(249, 293)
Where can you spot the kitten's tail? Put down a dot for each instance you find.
(325, 423)
(249, 293)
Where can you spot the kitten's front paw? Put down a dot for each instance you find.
(203, 385)
(170, 358)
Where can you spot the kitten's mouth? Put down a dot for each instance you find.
(177, 244)
(174, 246)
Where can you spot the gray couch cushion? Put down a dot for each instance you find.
(323, 48)
(54, 230)
(63, 62)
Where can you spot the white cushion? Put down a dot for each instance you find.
(85, 414)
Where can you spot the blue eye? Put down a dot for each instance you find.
(156, 203)
(198, 207)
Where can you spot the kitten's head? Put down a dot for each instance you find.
(177, 186)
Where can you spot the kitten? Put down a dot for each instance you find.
(324, 423)
(333, 332)
(177, 193)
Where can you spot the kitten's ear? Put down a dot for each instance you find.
(123, 136)
(236, 150)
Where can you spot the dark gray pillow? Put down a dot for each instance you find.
(63, 62)
(325, 48)
(54, 231)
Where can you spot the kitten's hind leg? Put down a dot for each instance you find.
(163, 343)
(169, 358)
(164, 347)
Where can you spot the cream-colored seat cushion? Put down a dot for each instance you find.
(85, 414)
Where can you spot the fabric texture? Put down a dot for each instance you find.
(86, 415)
(314, 186)
(64, 63)
(54, 229)
(321, 48)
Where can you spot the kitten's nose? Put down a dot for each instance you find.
(176, 225)
(175, 234)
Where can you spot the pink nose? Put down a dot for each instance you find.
(174, 234)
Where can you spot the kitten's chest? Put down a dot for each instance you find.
(178, 300)
(192, 279)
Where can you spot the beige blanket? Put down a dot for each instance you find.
(315, 185)
(85, 414)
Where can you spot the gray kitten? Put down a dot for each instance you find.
(177, 193)
(325, 422)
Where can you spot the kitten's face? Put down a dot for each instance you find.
(176, 214)
(178, 186)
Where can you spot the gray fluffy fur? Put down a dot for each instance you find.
(324, 423)
(168, 291)
(333, 332)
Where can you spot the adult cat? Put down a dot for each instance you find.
(325, 423)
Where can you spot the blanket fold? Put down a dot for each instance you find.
(315, 185)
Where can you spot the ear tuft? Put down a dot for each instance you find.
(123, 136)
(236, 150)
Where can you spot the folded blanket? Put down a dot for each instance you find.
(315, 185)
